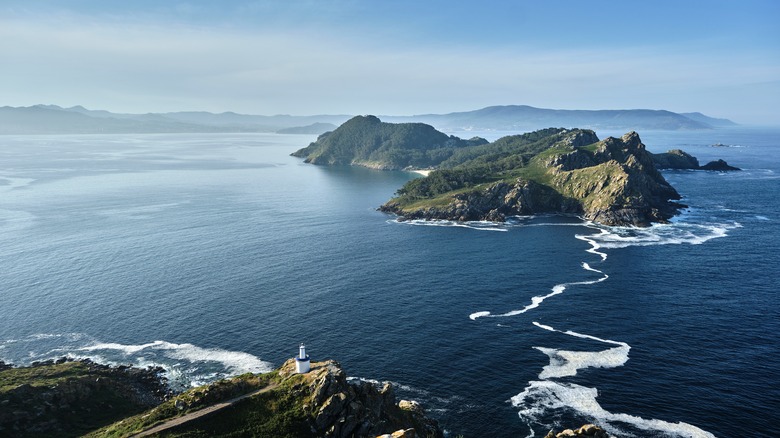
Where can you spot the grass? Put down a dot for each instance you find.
(40, 376)
(193, 399)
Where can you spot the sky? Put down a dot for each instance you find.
(401, 57)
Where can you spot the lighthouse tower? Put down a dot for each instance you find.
(302, 364)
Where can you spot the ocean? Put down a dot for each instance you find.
(217, 254)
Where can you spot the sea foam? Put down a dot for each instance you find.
(184, 364)
(546, 398)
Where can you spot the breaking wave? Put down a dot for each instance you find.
(185, 365)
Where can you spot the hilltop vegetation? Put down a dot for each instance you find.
(367, 141)
(67, 399)
(614, 182)
(554, 170)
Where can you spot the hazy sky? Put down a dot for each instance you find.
(393, 57)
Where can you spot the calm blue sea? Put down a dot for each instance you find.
(213, 255)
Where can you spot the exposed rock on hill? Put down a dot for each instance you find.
(338, 408)
(613, 182)
(70, 398)
(67, 399)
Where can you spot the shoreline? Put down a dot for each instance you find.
(423, 172)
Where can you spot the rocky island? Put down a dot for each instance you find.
(81, 398)
(613, 181)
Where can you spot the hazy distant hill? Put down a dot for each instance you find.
(52, 119)
(526, 118)
(712, 121)
(47, 120)
(314, 128)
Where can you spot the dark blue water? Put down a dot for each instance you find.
(217, 254)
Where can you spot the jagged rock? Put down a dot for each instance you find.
(407, 433)
(675, 159)
(616, 183)
(588, 430)
(719, 165)
(410, 405)
(82, 388)
(360, 408)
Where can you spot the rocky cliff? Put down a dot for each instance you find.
(613, 182)
(680, 160)
(66, 399)
(336, 407)
(69, 398)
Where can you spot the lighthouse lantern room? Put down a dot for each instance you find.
(302, 363)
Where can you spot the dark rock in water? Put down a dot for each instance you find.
(719, 165)
(675, 159)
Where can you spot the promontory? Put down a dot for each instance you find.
(614, 181)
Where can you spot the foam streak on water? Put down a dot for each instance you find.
(548, 398)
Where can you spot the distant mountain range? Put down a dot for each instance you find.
(528, 118)
(52, 119)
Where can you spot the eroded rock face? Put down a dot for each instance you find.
(675, 159)
(342, 408)
(617, 184)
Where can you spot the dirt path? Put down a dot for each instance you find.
(178, 421)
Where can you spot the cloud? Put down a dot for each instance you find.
(143, 66)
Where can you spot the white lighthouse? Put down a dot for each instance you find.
(302, 364)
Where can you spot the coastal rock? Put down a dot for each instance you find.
(616, 183)
(343, 408)
(719, 166)
(69, 397)
(675, 159)
(588, 430)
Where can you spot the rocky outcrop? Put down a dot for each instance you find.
(719, 166)
(616, 183)
(494, 203)
(675, 159)
(337, 407)
(588, 430)
(66, 398)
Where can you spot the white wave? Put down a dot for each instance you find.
(473, 225)
(184, 364)
(675, 233)
(546, 398)
(235, 362)
(762, 218)
(594, 246)
(476, 315)
(564, 363)
(536, 301)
